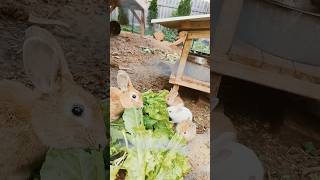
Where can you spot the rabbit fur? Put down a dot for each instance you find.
(187, 129)
(57, 113)
(179, 114)
(125, 97)
(229, 156)
(173, 98)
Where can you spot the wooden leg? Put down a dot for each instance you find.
(215, 84)
(183, 58)
(143, 23)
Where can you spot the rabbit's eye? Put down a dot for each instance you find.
(134, 96)
(77, 109)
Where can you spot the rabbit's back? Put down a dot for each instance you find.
(19, 146)
(116, 107)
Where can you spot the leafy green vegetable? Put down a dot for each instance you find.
(74, 164)
(132, 119)
(144, 144)
(155, 112)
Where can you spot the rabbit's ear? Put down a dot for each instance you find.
(46, 36)
(123, 80)
(42, 64)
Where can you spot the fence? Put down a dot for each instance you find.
(166, 7)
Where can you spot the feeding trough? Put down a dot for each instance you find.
(268, 43)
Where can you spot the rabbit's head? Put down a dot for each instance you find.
(130, 97)
(64, 114)
(187, 129)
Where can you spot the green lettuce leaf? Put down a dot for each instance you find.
(155, 114)
(132, 119)
(73, 164)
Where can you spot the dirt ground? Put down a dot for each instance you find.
(276, 125)
(83, 39)
(151, 70)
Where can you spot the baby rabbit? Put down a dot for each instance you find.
(229, 156)
(125, 97)
(187, 129)
(179, 114)
(57, 113)
(173, 98)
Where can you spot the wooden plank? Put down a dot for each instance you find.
(193, 85)
(230, 12)
(241, 51)
(136, 15)
(205, 17)
(215, 83)
(307, 72)
(285, 66)
(143, 23)
(183, 58)
(182, 38)
(271, 79)
(192, 25)
(198, 34)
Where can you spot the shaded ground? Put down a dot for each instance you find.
(84, 43)
(276, 125)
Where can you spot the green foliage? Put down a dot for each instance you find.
(152, 12)
(123, 16)
(145, 145)
(170, 34)
(184, 8)
(201, 47)
(156, 116)
(73, 164)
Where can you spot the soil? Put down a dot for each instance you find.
(276, 126)
(84, 42)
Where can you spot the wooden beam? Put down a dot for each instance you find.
(143, 23)
(194, 25)
(135, 15)
(198, 34)
(191, 83)
(215, 84)
(271, 79)
(183, 58)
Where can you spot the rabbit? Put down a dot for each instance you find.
(187, 129)
(173, 98)
(125, 97)
(179, 113)
(229, 156)
(198, 153)
(221, 123)
(56, 113)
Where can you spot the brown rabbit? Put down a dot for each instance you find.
(125, 97)
(173, 98)
(57, 113)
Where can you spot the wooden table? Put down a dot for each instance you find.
(195, 27)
